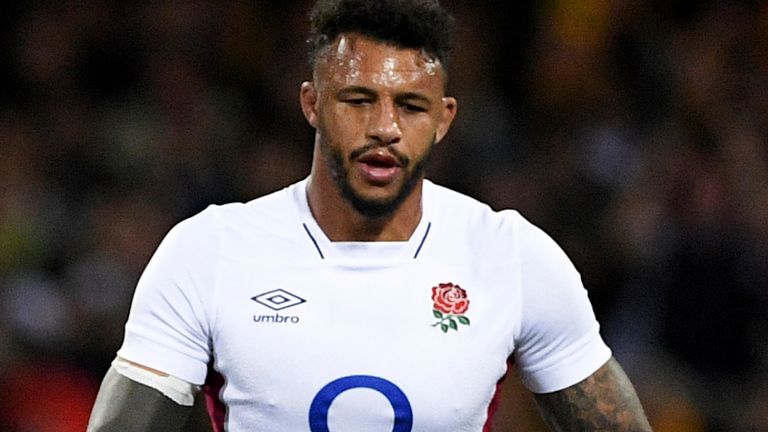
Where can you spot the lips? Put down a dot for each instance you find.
(379, 159)
(379, 167)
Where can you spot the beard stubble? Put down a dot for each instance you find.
(374, 208)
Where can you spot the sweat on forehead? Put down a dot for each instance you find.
(353, 53)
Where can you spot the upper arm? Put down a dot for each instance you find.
(167, 335)
(558, 342)
(169, 323)
(124, 405)
(605, 401)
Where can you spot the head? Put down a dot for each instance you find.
(418, 24)
(377, 98)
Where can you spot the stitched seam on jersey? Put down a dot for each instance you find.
(313, 240)
(429, 225)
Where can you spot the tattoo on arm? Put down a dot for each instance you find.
(606, 401)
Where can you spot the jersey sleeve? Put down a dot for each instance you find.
(558, 341)
(168, 326)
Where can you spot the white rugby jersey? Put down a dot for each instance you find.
(314, 335)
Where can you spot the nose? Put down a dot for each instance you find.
(384, 123)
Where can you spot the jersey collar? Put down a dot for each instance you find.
(375, 253)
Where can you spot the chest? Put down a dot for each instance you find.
(361, 347)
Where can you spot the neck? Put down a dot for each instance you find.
(341, 222)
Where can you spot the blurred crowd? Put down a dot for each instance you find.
(634, 132)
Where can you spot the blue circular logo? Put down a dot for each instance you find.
(318, 410)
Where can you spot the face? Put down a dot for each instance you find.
(378, 111)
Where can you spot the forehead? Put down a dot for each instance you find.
(358, 60)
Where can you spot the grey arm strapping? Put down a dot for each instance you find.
(124, 405)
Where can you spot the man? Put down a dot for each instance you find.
(363, 298)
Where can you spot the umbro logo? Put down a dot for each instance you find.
(278, 299)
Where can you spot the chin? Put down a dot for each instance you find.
(378, 203)
(371, 200)
(375, 206)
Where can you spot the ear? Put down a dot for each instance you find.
(308, 99)
(446, 118)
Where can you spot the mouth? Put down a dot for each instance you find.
(379, 159)
(379, 167)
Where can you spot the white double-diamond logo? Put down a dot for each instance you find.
(278, 299)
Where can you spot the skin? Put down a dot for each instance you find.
(378, 111)
(369, 99)
(606, 401)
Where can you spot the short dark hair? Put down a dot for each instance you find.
(420, 24)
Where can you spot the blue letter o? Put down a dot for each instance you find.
(318, 410)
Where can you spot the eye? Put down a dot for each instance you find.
(413, 108)
(357, 101)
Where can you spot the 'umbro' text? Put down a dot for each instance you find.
(276, 318)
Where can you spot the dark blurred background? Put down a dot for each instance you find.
(634, 132)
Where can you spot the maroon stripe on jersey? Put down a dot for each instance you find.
(217, 411)
(494, 402)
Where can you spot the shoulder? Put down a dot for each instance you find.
(231, 221)
(462, 213)
(270, 208)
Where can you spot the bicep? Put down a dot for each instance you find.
(127, 406)
(605, 400)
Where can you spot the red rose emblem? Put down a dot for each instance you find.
(450, 298)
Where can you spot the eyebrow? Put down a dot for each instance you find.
(357, 89)
(371, 93)
(412, 96)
